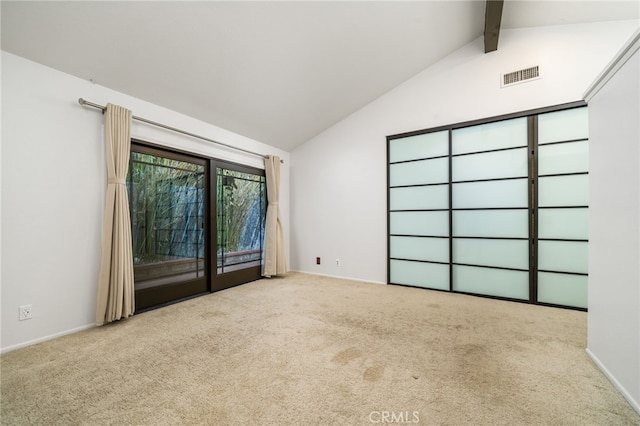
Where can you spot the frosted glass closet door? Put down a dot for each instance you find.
(563, 197)
(490, 209)
(419, 210)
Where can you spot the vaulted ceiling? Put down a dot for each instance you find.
(277, 72)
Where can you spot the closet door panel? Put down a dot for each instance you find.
(491, 282)
(490, 165)
(420, 146)
(419, 172)
(501, 253)
(571, 157)
(563, 289)
(420, 274)
(563, 126)
(497, 208)
(419, 223)
(491, 223)
(563, 223)
(419, 197)
(502, 193)
(418, 248)
(561, 191)
(563, 256)
(485, 137)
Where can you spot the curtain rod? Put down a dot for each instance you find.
(83, 102)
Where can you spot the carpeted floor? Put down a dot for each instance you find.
(310, 350)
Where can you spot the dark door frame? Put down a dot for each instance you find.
(154, 297)
(240, 276)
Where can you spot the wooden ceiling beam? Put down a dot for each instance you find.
(492, 18)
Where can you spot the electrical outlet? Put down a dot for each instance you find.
(25, 312)
(337, 262)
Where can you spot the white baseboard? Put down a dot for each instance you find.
(44, 339)
(634, 404)
(339, 277)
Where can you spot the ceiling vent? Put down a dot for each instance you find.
(520, 76)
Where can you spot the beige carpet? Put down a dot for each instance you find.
(308, 350)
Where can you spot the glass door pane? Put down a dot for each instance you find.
(571, 124)
(240, 215)
(167, 207)
(419, 147)
(420, 274)
(490, 136)
(490, 165)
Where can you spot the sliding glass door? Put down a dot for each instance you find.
(240, 217)
(197, 224)
(496, 207)
(168, 204)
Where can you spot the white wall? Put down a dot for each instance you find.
(53, 186)
(614, 227)
(338, 179)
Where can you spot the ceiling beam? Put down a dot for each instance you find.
(492, 18)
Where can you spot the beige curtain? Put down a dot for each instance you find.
(115, 282)
(274, 252)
